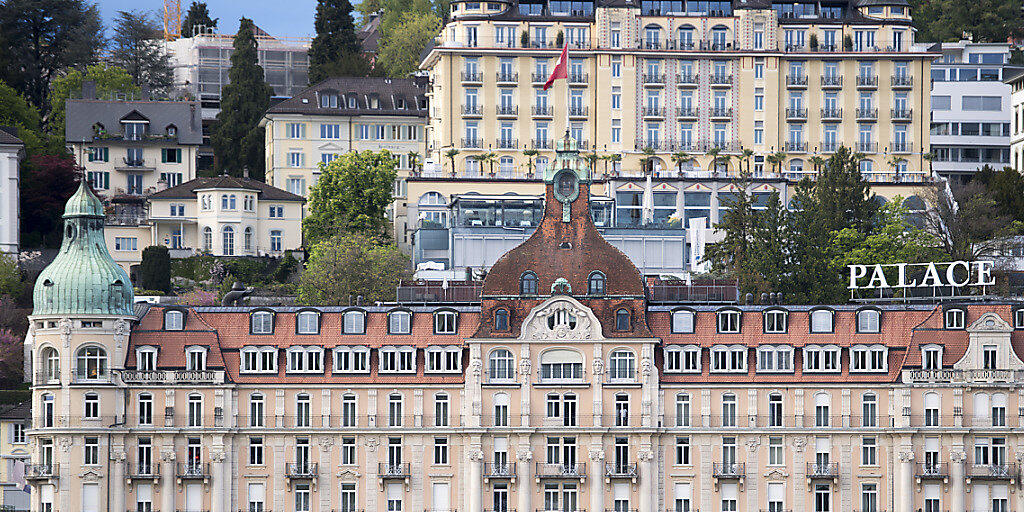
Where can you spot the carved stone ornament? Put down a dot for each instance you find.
(646, 367)
(753, 443)
(65, 444)
(906, 456)
(957, 456)
(476, 367)
(65, 332)
(167, 456)
(524, 367)
(596, 454)
(561, 318)
(598, 366)
(120, 332)
(644, 455)
(118, 456)
(524, 455)
(475, 455)
(326, 442)
(217, 456)
(371, 443)
(799, 443)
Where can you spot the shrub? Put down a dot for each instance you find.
(155, 269)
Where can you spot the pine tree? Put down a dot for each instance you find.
(136, 49)
(335, 50)
(237, 137)
(198, 16)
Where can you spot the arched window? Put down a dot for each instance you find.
(561, 364)
(223, 201)
(822, 416)
(821, 320)
(174, 320)
(399, 322)
(92, 406)
(914, 204)
(262, 322)
(528, 284)
(91, 363)
(622, 320)
(51, 365)
(229, 241)
(355, 322)
(501, 365)
(501, 319)
(796, 166)
(207, 239)
(232, 204)
(432, 199)
(622, 365)
(868, 320)
(247, 238)
(682, 321)
(596, 286)
(307, 322)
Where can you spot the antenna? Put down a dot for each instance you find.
(172, 19)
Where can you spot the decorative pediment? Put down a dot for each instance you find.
(90, 476)
(561, 318)
(330, 146)
(630, 187)
(990, 322)
(664, 187)
(764, 187)
(698, 187)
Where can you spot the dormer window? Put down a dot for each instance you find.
(397, 359)
(682, 359)
(355, 322)
(872, 358)
(622, 320)
(145, 358)
(305, 360)
(1018, 319)
(596, 284)
(259, 360)
(774, 358)
(307, 322)
(821, 358)
(501, 319)
(399, 103)
(731, 358)
(172, 131)
(729, 321)
(261, 322)
(328, 100)
(174, 320)
(445, 322)
(444, 359)
(775, 321)
(133, 130)
(351, 101)
(682, 321)
(954, 318)
(374, 102)
(399, 322)
(868, 320)
(195, 359)
(931, 357)
(821, 321)
(351, 360)
(528, 284)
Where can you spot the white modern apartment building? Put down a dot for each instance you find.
(1016, 83)
(11, 152)
(970, 125)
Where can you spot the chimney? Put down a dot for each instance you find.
(245, 172)
(88, 90)
(145, 92)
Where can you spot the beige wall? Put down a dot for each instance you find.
(152, 167)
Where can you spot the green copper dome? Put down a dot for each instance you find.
(83, 279)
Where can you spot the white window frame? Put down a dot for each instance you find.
(195, 349)
(172, 313)
(443, 359)
(305, 359)
(724, 316)
(1018, 318)
(352, 315)
(408, 322)
(953, 318)
(819, 311)
(878, 321)
(261, 355)
(397, 359)
(684, 312)
(146, 350)
(253, 324)
(774, 351)
(685, 352)
(866, 352)
(822, 350)
(356, 359)
(776, 312)
(931, 347)
(302, 322)
(455, 321)
(728, 351)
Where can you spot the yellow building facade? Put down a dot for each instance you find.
(648, 80)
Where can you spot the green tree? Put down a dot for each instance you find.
(237, 138)
(401, 45)
(680, 158)
(451, 154)
(47, 181)
(351, 196)
(198, 15)
(335, 50)
(985, 20)
(770, 262)
(529, 154)
(967, 221)
(136, 48)
(109, 80)
(10, 276)
(342, 267)
(733, 254)
(155, 269)
(894, 239)
(16, 112)
(1006, 188)
(48, 37)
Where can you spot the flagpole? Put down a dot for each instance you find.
(568, 97)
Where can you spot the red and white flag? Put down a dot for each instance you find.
(561, 68)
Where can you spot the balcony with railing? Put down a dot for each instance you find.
(578, 78)
(931, 470)
(301, 470)
(795, 147)
(506, 111)
(472, 76)
(796, 81)
(143, 472)
(686, 79)
(901, 147)
(832, 113)
(866, 147)
(831, 81)
(796, 113)
(507, 77)
(561, 375)
(472, 110)
(542, 111)
(506, 143)
(541, 144)
(867, 113)
(38, 472)
(389, 470)
(867, 80)
(829, 147)
(578, 111)
(718, 79)
(654, 78)
(902, 114)
(134, 164)
(613, 470)
(47, 378)
(91, 376)
(172, 376)
(994, 471)
(499, 469)
(471, 143)
(653, 111)
(539, 78)
(901, 81)
(686, 112)
(728, 470)
(192, 471)
(561, 470)
(720, 112)
(823, 470)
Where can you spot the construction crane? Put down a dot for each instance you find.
(172, 19)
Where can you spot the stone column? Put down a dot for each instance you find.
(167, 481)
(597, 476)
(476, 478)
(957, 476)
(905, 503)
(524, 477)
(117, 487)
(217, 475)
(646, 471)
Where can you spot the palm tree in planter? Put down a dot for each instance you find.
(776, 160)
(929, 156)
(746, 156)
(713, 153)
(451, 154)
(615, 158)
(679, 158)
(647, 162)
(529, 154)
(894, 162)
(413, 158)
(818, 163)
(489, 158)
(592, 159)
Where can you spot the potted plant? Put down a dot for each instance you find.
(814, 42)
(559, 39)
(524, 39)
(848, 43)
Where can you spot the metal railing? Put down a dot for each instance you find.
(579, 111)
(796, 147)
(796, 112)
(901, 147)
(549, 376)
(393, 470)
(541, 144)
(472, 110)
(507, 77)
(793, 80)
(506, 143)
(304, 470)
(506, 110)
(867, 80)
(34, 471)
(472, 76)
(866, 147)
(831, 113)
(867, 113)
(654, 78)
(193, 470)
(499, 469)
(932, 470)
(993, 471)
(901, 80)
(717, 79)
(720, 111)
(728, 469)
(620, 470)
(687, 79)
(686, 112)
(832, 81)
(653, 112)
(561, 470)
(579, 78)
(471, 143)
(822, 469)
(542, 111)
(901, 113)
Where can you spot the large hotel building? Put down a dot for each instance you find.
(788, 81)
(565, 381)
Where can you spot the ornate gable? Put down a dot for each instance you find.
(561, 318)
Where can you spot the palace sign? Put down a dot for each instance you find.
(921, 275)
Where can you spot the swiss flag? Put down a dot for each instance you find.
(561, 69)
